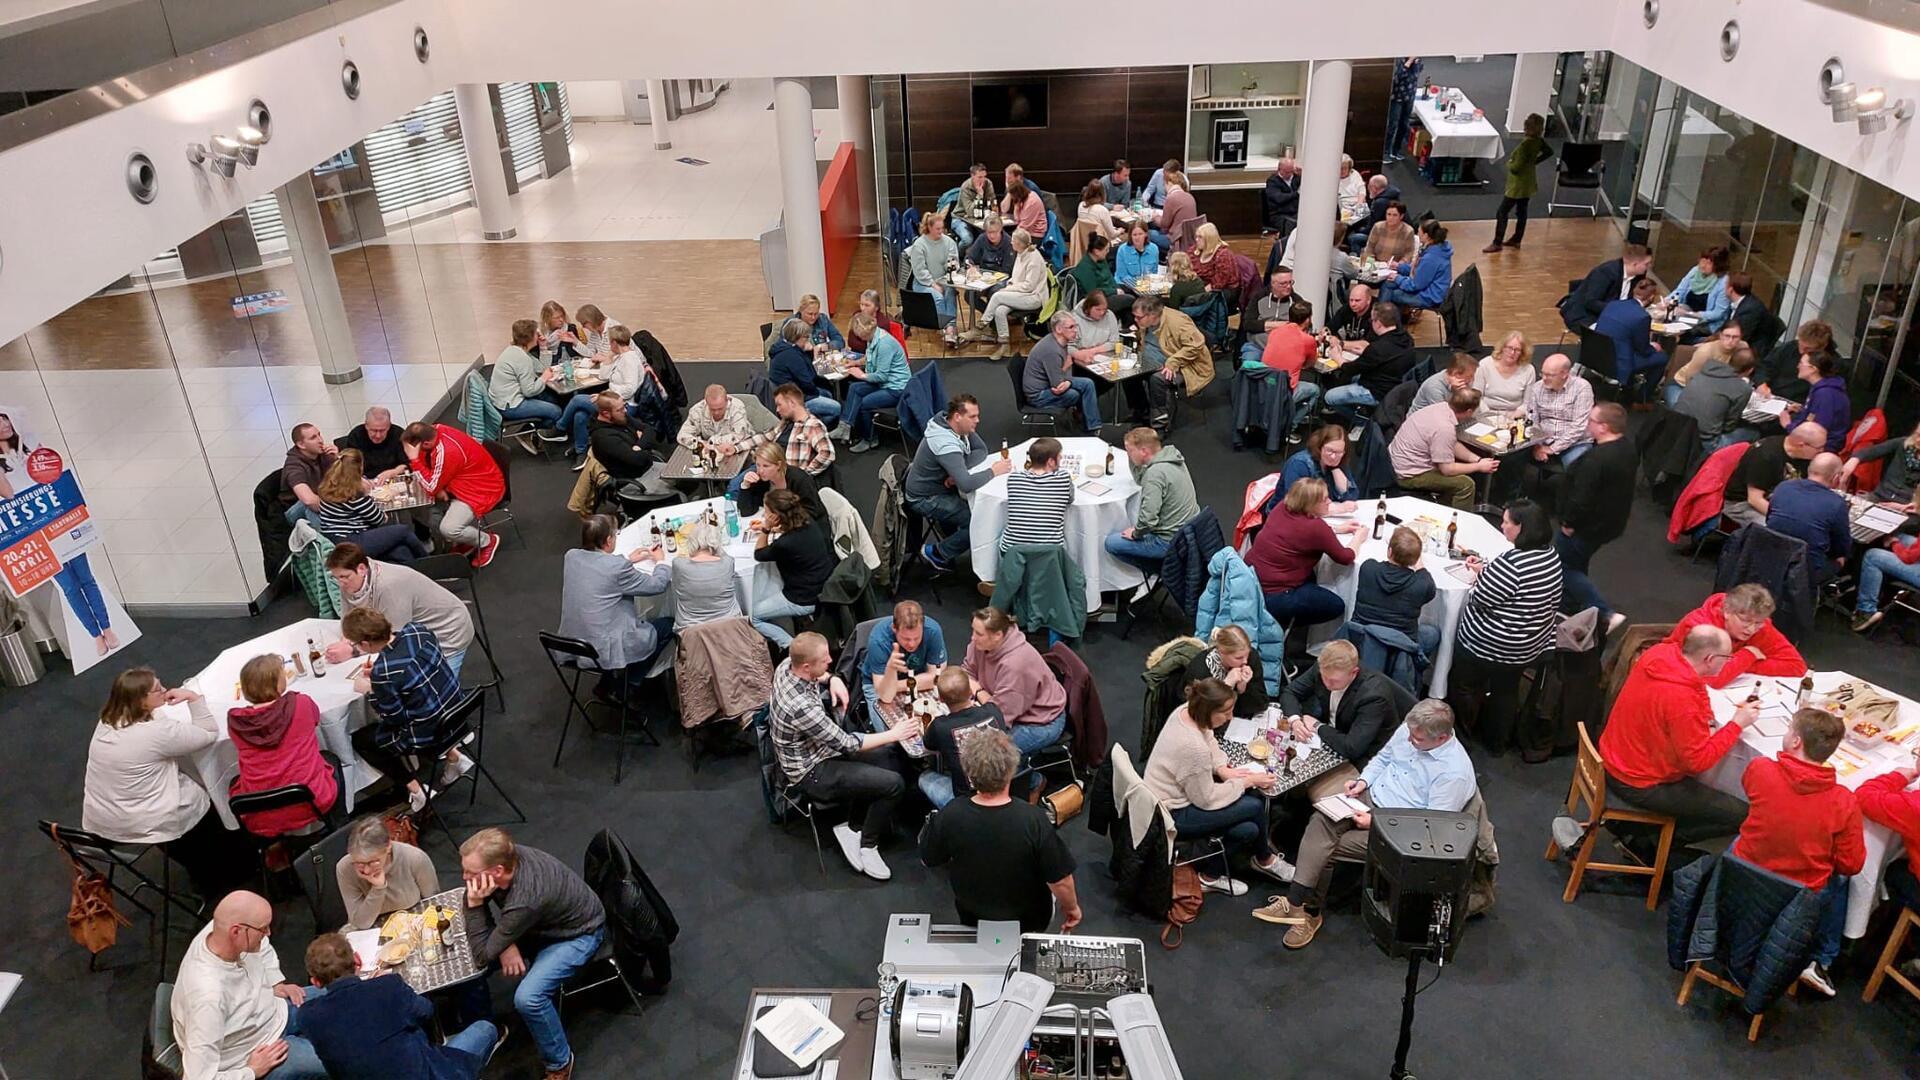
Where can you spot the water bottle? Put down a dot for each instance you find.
(733, 519)
(566, 369)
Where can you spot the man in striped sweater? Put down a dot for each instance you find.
(1038, 498)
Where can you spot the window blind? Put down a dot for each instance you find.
(419, 157)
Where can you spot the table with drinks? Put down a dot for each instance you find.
(1111, 367)
(1105, 498)
(1267, 741)
(400, 494)
(426, 944)
(1871, 747)
(972, 279)
(703, 465)
(574, 376)
(836, 367)
(1459, 130)
(1447, 536)
(671, 529)
(1125, 216)
(1158, 283)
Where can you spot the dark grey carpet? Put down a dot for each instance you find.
(1539, 988)
(1487, 84)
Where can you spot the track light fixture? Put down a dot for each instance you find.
(1839, 98)
(1873, 112)
(213, 159)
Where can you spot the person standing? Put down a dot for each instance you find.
(1406, 84)
(454, 468)
(379, 1028)
(1167, 501)
(1005, 859)
(1523, 182)
(1599, 497)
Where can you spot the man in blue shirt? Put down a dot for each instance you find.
(376, 1029)
(905, 647)
(1422, 767)
(1813, 511)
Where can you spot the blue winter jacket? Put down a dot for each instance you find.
(1760, 925)
(1430, 275)
(1233, 597)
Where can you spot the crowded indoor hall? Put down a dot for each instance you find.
(769, 575)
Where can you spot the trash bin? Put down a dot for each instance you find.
(20, 663)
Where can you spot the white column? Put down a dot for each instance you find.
(657, 114)
(799, 187)
(856, 127)
(319, 285)
(1532, 88)
(482, 141)
(1321, 144)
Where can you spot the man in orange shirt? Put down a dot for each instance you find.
(1290, 348)
(1660, 736)
(1745, 612)
(1801, 824)
(456, 469)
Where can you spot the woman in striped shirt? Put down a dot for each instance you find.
(1511, 617)
(1038, 498)
(348, 513)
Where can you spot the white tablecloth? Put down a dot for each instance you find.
(1444, 609)
(1883, 844)
(1088, 523)
(753, 579)
(341, 710)
(1475, 138)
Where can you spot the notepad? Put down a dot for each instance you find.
(799, 1030)
(1773, 406)
(1881, 519)
(1094, 487)
(1476, 430)
(1340, 807)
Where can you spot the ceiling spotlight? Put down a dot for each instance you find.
(1872, 111)
(1840, 98)
(247, 152)
(214, 160)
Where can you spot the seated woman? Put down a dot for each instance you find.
(1424, 282)
(1188, 771)
(277, 736)
(1288, 550)
(1138, 257)
(1213, 262)
(1024, 292)
(597, 588)
(871, 308)
(875, 382)
(380, 875)
(1704, 289)
(1898, 476)
(1503, 379)
(410, 693)
(1511, 615)
(930, 259)
(1827, 402)
(138, 790)
(787, 535)
(1186, 283)
(349, 515)
(1232, 660)
(706, 587)
(1093, 213)
(1321, 460)
(1094, 274)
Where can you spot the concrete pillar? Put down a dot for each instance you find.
(657, 114)
(482, 140)
(1328, 87)
(1532, 88)
(319, 285)
(856, 127)
(799, 187)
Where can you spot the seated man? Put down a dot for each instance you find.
(863, 773)
(791, 361)
(308, 460)
(1887, 800)
(1660, 737)
(1427, 455)
(1744, 309)
(1170, 340)
(404, 595)
(1351, 709)
(1280, 202)
(1038, 498)
(1352, 321)
(521, 387)
(1457, 375)
(1290, 349)
(1720, 348)
(944, 780)
(1369, 373)
(380, 875)
(1048, 378)
(1629, 325)
(768, 471)
(1167, 501)
(721, 424)
(379, 444)
(1766, 465)
(1421, 767)
(1558, 406)
(1006, 860)
(1745, 612)
(1717, 396)
(623, 446)
(453, 468)
(942, 473)
(1779, 371)
(234, 1014)
(801, 434)
(1801, 824)
(533, 917)
(378, 1028)
(904, 653)
(410, 695)
(1392, 594)
(1814, 512)
(1270, 313)
(1611, 280)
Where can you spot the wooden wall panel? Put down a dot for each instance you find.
(1156, 118)
(1367, 112)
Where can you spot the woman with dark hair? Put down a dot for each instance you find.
(1511, 616)
(1704, 289)
(1424, 282)
(1321, 459)
(787, 535)
(1208, 797)
(597, 588)
(1094, 214)
(1827, 402)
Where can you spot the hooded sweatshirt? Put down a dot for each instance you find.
(1800, 822)
(1166, 494)
(279, 744)
(1885, 799)
(1779, 655)
(1391, 595)
(1715, 397)
(1660, 729)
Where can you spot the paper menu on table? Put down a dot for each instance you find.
(1340, 807)
(1477, 429)
(1242, 729)
(366, 948)
(1771, 405)
(799, 1030)
(1881, 519)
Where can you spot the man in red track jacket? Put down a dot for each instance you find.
(456, 469)
(1802, 824)
(1746, 614)
(1885, 799)
(1659, 737)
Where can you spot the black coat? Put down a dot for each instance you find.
(1183, 573)
(1582, 306)
(1751, 316)
(1599, 492)
(1370, 710)
(1760, 925)
(625, 450)
(1777, 561)
(1280, 203)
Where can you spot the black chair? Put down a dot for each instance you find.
(468, 719)
(1393, 411)
(452, 570)
(917, 312)
(607, 963)
(109, 860)
(784, 801)
(285, 797)
(502, 512)
(1580, 168)
(1031, 415)
(565, 654)
(1599, 362)
(766, 332)
(315, 870)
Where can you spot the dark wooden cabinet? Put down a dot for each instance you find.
(1367, 112)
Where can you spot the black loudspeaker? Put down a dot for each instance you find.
(1419, 864)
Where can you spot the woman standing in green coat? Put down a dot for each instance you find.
(1522, 183)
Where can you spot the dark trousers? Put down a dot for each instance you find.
(869, 784)
(1901, 884)
(1298, 608)
(1518, 207)
(1241, 823)
(629, 680)
(395, 543)
(1578, 592)
(1699, 812)
(1485, 697)
(217, 859)
(391, 763)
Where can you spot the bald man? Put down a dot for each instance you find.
(234, 1015)
(1814, 511)
(379, 444)
(1769, 463)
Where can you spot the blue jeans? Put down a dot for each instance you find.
(536, 997)
(1241, 823)
(301, 1062)
(1670, 393)
(944, 300)
(1030, 737)
(300, 512)
(1833, 921)
(1081, 392)
(476, 1039)
(1398, 115)
(950, 512)
(863, 400)
(1875, 567)
(937, 787)
(457, 661)
(394, 543)
(826, 407)
(84, 596)
(1305, 605)
(1143, 551)
(571, 418)
(1349, 396)
(1578, 592)
(1160, 240)
(1405, 298)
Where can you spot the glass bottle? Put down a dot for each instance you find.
(1453, 533)
(316, 660)
(1380, 517)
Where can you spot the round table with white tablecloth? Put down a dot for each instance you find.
(1100, 506)
(1449, 575)
(753, 579)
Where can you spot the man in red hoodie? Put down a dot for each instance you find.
(1660, 736)
(1746, 614)
(1885, 799)
(456, 469)
(1802, 824)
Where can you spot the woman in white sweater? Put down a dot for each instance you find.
(137, 792)
(931, 259)
(1025, 290)
(1189, 772)
(1093, 210)
(1504, 378)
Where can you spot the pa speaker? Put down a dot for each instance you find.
(1419, 864)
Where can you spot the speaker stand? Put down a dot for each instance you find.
(1406, 1018)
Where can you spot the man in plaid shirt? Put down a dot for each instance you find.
(801, 433)
(412, 693)
(1557, 405)
(864, 773)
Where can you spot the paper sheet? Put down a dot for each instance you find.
(1772, 406)
(799, 1030)
(366, 947)
(1339, 807)
(1242, 729)
(1477, 429)
(1881, 519)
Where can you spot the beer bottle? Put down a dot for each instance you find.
(1453, 533)
(1806, 692)
(316, 660)
(1003, 450)
(1380, 517)
(1109, 461)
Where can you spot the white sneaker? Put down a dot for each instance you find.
(849, 840)
(1228, 885)
(453, 770)
(1566, 832)
(872, 865)
(417, 799)
(1279, 870)
(1817, 977)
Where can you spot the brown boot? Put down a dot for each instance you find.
(564, 1072)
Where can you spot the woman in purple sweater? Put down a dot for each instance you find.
(1827, 402)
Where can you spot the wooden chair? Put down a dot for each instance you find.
(1888, 967)
(1590, 786)
(1698, 970)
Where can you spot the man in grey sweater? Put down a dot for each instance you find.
(403, 595)
(521, 895)
(943, 472)
(1716, 396)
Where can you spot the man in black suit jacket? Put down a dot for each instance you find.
(1369, 711)
(1280, 205)
(1611, 280)
(1746, 309)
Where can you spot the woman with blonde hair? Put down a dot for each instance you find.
(1025, 290)
(1213, 260)
(1186, 283)
(1231, 658)
(559, 338)
(1504, 378)
(1179, 209)
(348, 514)
(931, 259)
